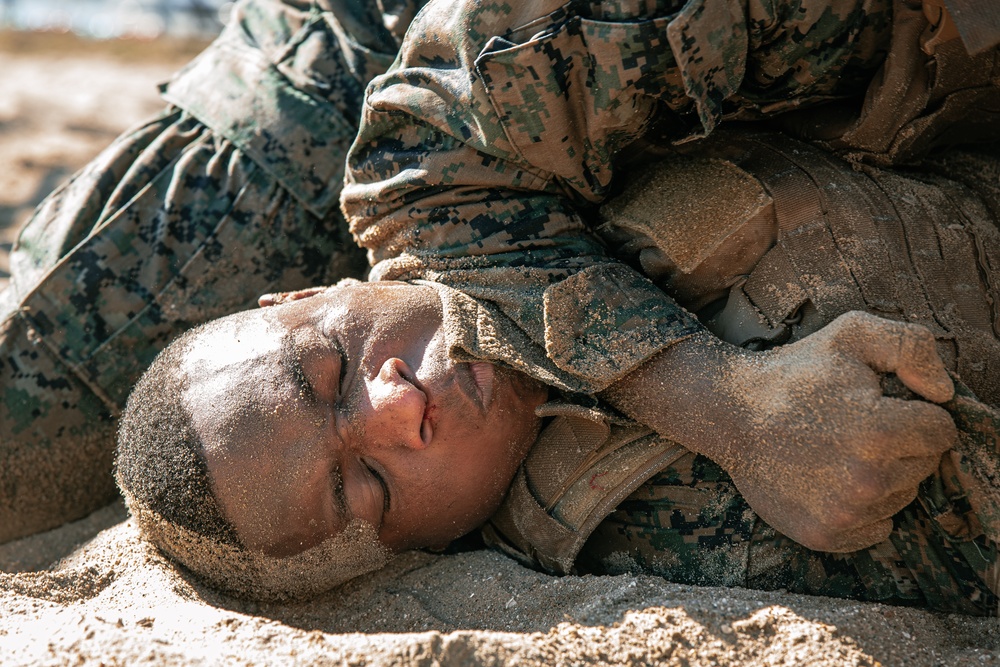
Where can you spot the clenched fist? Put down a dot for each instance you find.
(805, 430)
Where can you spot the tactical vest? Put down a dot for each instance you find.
(769, 239)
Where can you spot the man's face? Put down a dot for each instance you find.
(346, 405)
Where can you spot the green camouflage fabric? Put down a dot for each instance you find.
(479, 157)
(939, 227)
(230, 193)
(482, 150)
(690, 525)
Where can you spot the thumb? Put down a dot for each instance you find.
(887, 346)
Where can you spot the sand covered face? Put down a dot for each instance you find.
(346, 406)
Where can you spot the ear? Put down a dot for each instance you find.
(279, 298)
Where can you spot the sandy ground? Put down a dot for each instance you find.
(112, 601)
(115, 602)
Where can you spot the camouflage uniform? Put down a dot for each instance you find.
(912, 245)
(480, 152)
(230, 193)
(456, 180)
(689, 524)
(483, 151)
(478, 160)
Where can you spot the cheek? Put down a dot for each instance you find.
(483, 486)
(514, 426)
(501, 449)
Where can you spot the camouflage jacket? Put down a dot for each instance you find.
(483, 150)
(479, 159)
(285, 83)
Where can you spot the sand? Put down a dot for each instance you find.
(114, 601)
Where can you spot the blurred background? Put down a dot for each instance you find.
(74, 74)
(110, 19)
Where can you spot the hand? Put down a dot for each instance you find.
(278, 298)
(849, 457)
(804, 430)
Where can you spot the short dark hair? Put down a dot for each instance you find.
(160, 462)
(162, 472)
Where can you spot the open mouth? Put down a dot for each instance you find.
(483, 374)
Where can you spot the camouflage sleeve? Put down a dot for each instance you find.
(690, 524)
(483, 148)
(285, 83)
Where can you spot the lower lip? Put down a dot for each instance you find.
(483, 375)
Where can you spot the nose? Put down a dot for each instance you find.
(397, 408)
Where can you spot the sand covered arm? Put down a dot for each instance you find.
(483, 148)
(479, 156)
(437, 188)
(805, 430)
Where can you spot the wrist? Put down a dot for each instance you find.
(692, 393)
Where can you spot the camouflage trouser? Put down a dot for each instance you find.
(168, 228)
(690, 525)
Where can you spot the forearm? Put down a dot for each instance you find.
(439, 189)
(688, 393)
(804, 430)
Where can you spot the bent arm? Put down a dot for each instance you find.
(805, 431)
(482, 150)
(478, 156)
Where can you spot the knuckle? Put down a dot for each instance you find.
(856, 317)
(922, 335)
(934, 429)
(850, 321)
(865, 484)
(919, 341)
(947, 438)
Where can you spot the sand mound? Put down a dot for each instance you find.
(114, 600)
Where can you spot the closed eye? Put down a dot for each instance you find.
(344, 362)
(339, 497)
(386, 501)
(293, 362)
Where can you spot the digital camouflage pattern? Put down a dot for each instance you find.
(499, 125)
(229, 194)
(690, 525)
(476, 156)
(477, 181)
